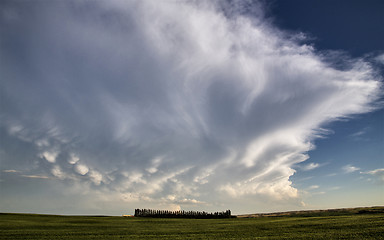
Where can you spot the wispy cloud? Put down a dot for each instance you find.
(310, 166)
(378, 173)
(380, 59)
(11, 171)
(359, 135)
(350, 168)
(36, 176)
(319, 193)
(20, 173)
(313, 187)
(331, 175)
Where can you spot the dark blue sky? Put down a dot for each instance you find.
(355, 28)
(352, 26)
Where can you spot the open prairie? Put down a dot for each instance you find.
(367, 223)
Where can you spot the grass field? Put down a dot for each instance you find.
(343, 225)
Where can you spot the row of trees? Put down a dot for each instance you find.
(180, 214)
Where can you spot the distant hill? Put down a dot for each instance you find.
(314, 213)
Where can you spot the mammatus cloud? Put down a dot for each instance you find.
(81, 169)
(168, 102)
(49, 156)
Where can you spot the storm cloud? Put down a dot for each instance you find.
(167, 103)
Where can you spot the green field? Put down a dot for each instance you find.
(360, 225)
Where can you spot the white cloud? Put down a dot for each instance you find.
(155, 164)
(11, 171)
(95, 177)
(310, 166)
(42, 143)
(50, 156)
(173, 207)
(379, 173)
(151, 170)
(130, 197)
(380, 59)
(81, 169)
(57, 172)
(202, 177)
(319, 193)
(358, 134)
(313, 187)
(35, 176)
(173, 98)
(133, 177)
(189, 201)
(349, 168)
(73, 158)
(331, 174)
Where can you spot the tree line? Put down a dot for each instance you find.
(180, 214)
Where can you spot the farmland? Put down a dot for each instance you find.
(367, 223)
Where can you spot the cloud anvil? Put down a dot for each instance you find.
(165, 103)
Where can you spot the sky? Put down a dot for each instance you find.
(253, 106)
